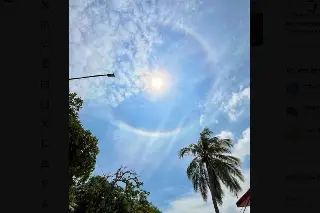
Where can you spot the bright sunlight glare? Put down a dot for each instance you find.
(158, 82)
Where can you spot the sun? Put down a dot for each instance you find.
(158, 83)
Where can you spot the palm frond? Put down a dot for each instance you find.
(206, 132)
(229, 159)
(216, 150)
(228, 174)
(220, 146)
(217, 191)
(193, 167)
(192, 149)
(225, 142)
(203, 183)
(213, 156)
(231, 164)
(197, 173)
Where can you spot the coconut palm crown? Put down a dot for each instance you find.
(212, 166)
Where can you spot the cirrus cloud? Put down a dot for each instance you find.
(118, 37)
(233, 106)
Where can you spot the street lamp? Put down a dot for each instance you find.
(92, 76)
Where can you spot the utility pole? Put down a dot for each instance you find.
(92, 76)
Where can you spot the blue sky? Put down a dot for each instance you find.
(198, 51)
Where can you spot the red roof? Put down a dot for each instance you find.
(244, 200)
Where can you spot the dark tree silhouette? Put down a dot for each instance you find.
(83, 147)
(213, 166)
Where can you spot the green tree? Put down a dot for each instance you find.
(213, 166)
(83, 147)
(114, 193)
(90, 196)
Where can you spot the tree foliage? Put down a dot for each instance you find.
(83, 147)
(213, 166)
(120, 192)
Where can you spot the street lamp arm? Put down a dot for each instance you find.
(92, 76)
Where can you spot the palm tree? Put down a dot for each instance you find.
(213, 166)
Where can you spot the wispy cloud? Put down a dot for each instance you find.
(123, 37)
(118, 36)
(220, 101)
(233, 106)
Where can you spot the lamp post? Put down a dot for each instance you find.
(92, 76)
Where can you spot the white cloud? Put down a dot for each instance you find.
(233, 106)
(193, 203)
(219, 100)
(242, 147)
(226, 135)
(103, 40)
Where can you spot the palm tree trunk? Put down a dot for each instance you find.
(211, 187)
